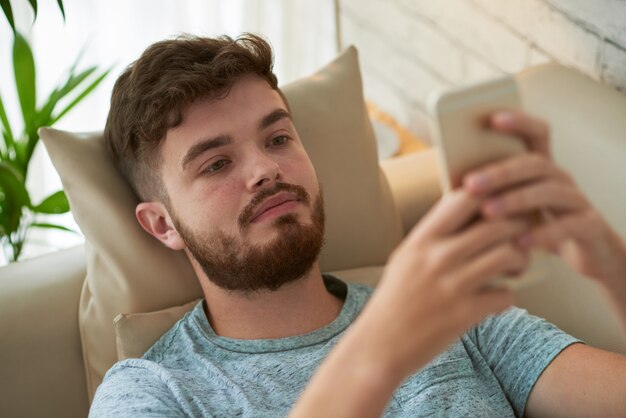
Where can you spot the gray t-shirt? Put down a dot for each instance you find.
(191, 371)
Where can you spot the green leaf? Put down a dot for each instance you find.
(4, 152)
(8, 169)
(82, 95)
(55, 203)
(60, 3)
(75, 79)
(24, 68)
(7, 134)
(8, 13)
(44, 116)
(33, 4)
(14, 197)
(21, 160)
(54, 226)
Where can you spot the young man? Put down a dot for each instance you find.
(204, 135)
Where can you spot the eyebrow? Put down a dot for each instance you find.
(274, 117)
(201, 147)
(222, 140)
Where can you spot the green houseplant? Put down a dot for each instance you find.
(18, 214)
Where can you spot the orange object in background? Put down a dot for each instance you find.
(408, 142)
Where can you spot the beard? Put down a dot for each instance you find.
(235, 265)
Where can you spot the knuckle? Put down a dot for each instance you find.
(464, 198)
(438, 258)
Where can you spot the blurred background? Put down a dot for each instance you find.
(408, 48)
(113, 33)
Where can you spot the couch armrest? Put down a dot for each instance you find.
(40, 350)
(414, 184)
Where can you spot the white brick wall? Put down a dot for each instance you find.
(412, 47)
(614, 65)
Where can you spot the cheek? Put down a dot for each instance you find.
(210, 207)
(310, 177)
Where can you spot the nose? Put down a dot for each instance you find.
(264, 171)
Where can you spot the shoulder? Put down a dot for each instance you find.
(134, 387)
(517, 347)
(515, 329)
(513, 319)
(138, 372)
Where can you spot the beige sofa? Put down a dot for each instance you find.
(41, 356)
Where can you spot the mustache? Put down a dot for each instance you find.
(250, 209)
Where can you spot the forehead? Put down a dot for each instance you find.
(249, 100)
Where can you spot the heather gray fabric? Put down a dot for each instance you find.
(191, 371)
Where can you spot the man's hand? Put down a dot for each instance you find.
(532, 182)
(582, 380)
(435, 285)
(434, 288)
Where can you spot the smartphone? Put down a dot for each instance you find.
(464, 141)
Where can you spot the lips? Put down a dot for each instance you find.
(272, 202)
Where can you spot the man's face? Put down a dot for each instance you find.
(244, 197)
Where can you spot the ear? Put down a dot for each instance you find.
(155, 220)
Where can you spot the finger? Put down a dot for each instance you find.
(549, 236)
(510, 172)
(486, 234)
(489, 265)
(551, 195)
(453, 211)
(535, 132)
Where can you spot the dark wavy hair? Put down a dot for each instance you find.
(152, 93)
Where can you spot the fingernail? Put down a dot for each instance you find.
(504, 118)
(494, 207)
(525, 241)
(478, 182)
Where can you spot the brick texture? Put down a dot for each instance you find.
(614, 66)
(410, 48)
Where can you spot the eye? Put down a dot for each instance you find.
(279, 140)
(216, 166)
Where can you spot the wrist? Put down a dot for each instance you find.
(370, 359)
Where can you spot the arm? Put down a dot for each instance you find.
(582, 381)
(433, 289)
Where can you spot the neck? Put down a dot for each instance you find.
(296, 308)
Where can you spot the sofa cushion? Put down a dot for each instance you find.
(136, 332)
(128, 271)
